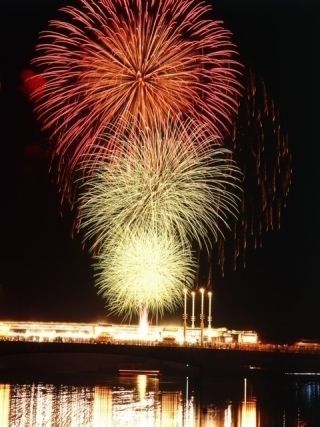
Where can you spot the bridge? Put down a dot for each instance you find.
(100, 358)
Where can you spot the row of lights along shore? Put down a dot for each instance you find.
(193, 317)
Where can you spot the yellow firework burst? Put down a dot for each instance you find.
(170, 179)
(143, 270)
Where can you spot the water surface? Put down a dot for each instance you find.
(143, 401)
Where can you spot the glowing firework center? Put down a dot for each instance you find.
(144, 272)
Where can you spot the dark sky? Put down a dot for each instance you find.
(46, 275)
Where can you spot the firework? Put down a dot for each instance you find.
(260, 146)
(143, 271)
(170, 179)
(111, 62)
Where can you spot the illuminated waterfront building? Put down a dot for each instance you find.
(117, 334)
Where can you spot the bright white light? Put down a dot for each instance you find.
(145, 269)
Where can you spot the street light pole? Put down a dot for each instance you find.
(202, 316)
(185, 316)
(209, 310)
(193, 294)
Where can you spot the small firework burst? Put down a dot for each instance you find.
(143, 271)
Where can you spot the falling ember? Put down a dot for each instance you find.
(260, 146)
(107, 63)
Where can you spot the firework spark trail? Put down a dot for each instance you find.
(110, 61)
(260, 146)
(143, 269)
(172, 180)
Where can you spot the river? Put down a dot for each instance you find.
(140, 400)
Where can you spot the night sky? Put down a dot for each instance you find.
(46, 275)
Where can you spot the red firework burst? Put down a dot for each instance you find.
(114, 61)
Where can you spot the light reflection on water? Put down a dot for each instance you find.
(142, 401)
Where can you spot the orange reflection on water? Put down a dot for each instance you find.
(42, 405)
(136, 401)
(171, 409)
(102, 407)
(4, 404)
(228, 416)
(142, 386)
(248, 414)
